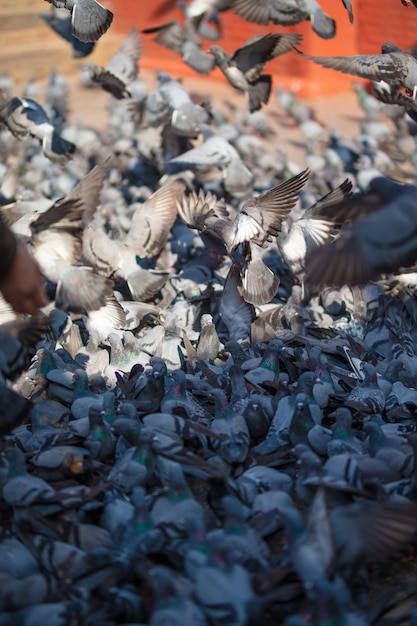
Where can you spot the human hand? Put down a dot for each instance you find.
(23, 284)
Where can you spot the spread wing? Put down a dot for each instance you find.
(261, 217)
(194, 209)
(387, 67)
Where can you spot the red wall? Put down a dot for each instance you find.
(376, 21)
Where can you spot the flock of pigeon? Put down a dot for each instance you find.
(213, 421)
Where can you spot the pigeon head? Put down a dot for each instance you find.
(219, 54)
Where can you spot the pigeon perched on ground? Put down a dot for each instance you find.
(121, 70)
(394, 66)
(217, 151)
(244, 67)
(89, 18)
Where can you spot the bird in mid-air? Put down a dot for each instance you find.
(286, 13)
(25, 117)
(122, 68)
(254, 227)
(394, 66)
(244, 67)
(381, 239)
(89, 19)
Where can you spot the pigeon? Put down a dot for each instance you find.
(149, 229)
(365, 532)
(244, 67)
(122, 68)
(223, 588)
(257, 222)
(216, 151)
(259, 219)
(183, 41)
(24, 117)
(229, 422)
(236, 314)
(186, 117)
(208, 343)
(89, 19)
(394, 66)
(56, 245)
(171, 604)
(310, 231)
(379, 241)
(286, 13)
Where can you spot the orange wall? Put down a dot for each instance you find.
(386, 20)
(376, 21)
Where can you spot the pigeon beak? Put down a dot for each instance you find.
(414, 92)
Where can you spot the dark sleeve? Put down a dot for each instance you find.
(8, 245)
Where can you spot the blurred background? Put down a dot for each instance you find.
(29, 47)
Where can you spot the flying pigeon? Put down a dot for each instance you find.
(381, 239)
(286, 13)
(182, 40)
(122, 68)
(56, 245)
(89, 18)
(244, 67)
(394, 66)
(258, 221)
(24, 117)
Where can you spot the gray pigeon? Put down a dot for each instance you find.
(244, 67)
(122, 68)
(186, 116)
(310, 231)
(286, 13)
(394, 66)
(56, 245)
(90, 19)
(149, 229)
(258, 220)
(381, 239)
(182, 40)
(237, 314)
(24, 117)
